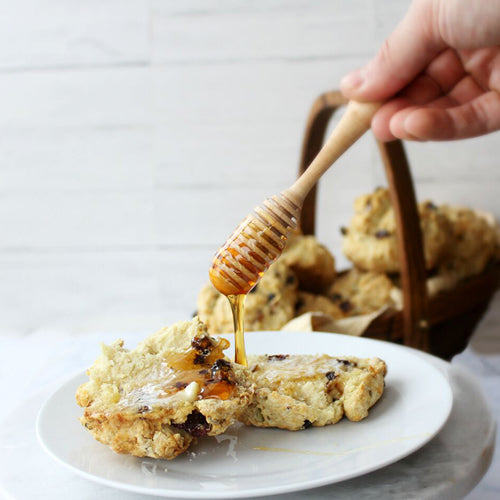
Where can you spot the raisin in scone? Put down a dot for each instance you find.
(370, 241)
(155, 400)
(298, 391)
(475, 243)
(358, 292)
(311, 261)
(268, 306)
(310, 302)
(352, 293)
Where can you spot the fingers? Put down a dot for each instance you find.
(439, 78)
(478, 116)
(382, 119)
(446, 70)
(470, 24)
(464, 91)
(482, 63)
(434, 92)
(444, 83)
(407, 51)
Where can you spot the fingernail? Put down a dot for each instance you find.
(352, 80)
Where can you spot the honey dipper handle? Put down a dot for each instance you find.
(353, 124)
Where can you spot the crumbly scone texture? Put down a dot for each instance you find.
(311, 261)
(154, 400)
(294, 392)
(268, 306)
(475, 243)
(370, 241)
(361, 292)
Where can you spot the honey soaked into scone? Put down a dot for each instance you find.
(295, 392)
(157, 399)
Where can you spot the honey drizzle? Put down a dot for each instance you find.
(238, 308)
(243, 259)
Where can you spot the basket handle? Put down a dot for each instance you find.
(402, 193)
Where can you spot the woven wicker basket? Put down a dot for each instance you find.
(441, 325)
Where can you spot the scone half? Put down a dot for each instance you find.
(294, 392)
(156, 399)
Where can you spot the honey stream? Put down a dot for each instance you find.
(242, 260)
(238, 308)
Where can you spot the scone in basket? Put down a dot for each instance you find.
(441, 324)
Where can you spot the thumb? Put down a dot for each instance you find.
(407, 51)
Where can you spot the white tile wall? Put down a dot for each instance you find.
(134, 136)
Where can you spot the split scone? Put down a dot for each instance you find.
(155, 400)
(294, 392)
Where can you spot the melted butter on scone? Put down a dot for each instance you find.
(154, 395)
(199, 372)
(304, 367)
(160, 373)
(298, 391)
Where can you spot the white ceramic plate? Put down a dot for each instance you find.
(247, 462)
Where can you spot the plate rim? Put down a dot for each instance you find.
(429, 360)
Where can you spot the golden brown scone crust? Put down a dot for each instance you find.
(268, 306)
(475, 243)
(352, 293)
(370, 241)
(309, 302)
(358, 292)
(156, 399)
(296, 391)
(139, 437)
(311, 261)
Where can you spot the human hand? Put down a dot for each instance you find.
(439, 72)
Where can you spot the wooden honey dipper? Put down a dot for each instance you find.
(260, 239)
